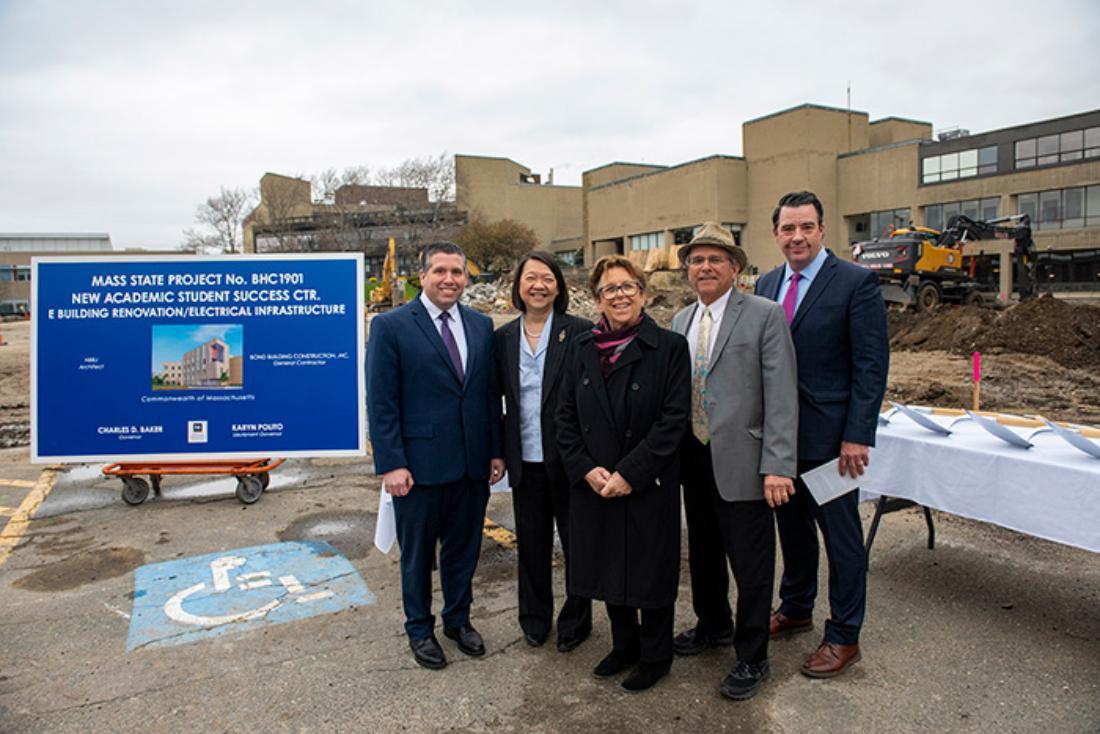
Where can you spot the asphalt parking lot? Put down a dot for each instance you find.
(991, 631)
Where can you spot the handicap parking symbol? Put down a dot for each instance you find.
(203, 596)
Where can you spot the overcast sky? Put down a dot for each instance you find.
(121, 117)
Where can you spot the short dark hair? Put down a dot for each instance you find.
(798, 198)
(447, 248)
(561, 303)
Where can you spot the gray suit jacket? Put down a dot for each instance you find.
(751, 395)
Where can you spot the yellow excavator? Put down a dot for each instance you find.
(390, 291)
(922, 267)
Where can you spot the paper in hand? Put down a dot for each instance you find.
(385, 527)
(826, 483)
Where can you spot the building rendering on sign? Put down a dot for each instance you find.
(207, 365)
(172, 374)
(870, 175)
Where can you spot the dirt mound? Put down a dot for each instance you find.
(1066, 333)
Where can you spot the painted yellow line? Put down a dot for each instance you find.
(501, 536)
(17, 526)
(16, 483)
(7, 511)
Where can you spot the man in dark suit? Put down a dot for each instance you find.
(838, 322)
(434, 413)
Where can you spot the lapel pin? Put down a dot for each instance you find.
(561, 336)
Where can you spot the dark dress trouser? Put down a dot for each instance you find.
(452, 516)
(651, 639)
(843, 533)
(539, 503)
(745, 531)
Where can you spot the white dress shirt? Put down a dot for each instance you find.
(717, 310)
(808, 274)
(457, 330)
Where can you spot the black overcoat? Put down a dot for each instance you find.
(626, 550)
(565, 328)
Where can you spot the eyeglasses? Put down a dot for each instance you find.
(628, 289)
(696, 261)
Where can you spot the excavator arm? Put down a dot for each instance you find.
(962, 229)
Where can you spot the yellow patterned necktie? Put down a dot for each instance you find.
(699, 424)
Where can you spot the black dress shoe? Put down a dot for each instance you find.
(646, 675)
(569, 643)
(744, 680)
(615, 663)
(468, 639)
(535, 639)
(693, 642)
(428, 653)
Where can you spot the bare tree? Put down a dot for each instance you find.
(329, 180)
(219, 219)
(434, 173)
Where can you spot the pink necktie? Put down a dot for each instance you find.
(790, 300)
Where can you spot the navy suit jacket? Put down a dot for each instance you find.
(422, 417)
(843, 351)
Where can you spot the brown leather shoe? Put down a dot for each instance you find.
(830, 659)
(780, 625)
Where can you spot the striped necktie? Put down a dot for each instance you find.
(699, 424)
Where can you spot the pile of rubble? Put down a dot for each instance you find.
(667, 293)
(1065, 332)
(489, 297)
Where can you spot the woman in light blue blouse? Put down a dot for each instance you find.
(530, 353)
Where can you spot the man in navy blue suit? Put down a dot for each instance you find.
(434, 415)
(838, 322)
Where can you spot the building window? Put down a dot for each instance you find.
(1072, 270)
(964, 164)
(8, 273)
(648, 241)
(1065, 147)
(884, 222)
(1062, 208)
(683, 235)
(936, 216)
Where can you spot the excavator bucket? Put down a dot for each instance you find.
(892, 293)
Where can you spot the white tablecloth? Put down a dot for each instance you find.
(1051, 490)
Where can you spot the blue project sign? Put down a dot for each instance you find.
(162, 358)
(239, 590)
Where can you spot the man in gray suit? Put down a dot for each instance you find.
(740, 458)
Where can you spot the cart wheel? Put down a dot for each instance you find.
(265, 478)
(249, 489)
(135, 490)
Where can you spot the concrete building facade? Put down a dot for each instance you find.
(870, 175)
(499, 188)
(359, 219)
(16, 251)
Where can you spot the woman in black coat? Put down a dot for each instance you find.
(530, 352)
(625, 405)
